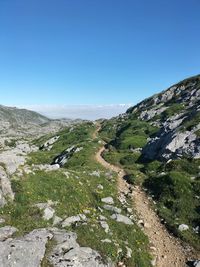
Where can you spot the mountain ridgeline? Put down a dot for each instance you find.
(22, 122)
(157, 142)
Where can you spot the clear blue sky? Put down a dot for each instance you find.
(95, 51)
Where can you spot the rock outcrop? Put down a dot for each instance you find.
(62, 159)
(30, 250)
(176, 113)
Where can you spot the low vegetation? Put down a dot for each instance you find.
(175, 186)
(74, 189)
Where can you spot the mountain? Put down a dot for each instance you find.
(176, 114)
(165, 126)
(118, 192)
(21, 122)
(157, 142)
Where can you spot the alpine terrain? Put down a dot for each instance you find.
(119, 192)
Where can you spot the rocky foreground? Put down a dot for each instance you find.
(30, 249)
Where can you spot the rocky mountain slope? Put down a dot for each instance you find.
(22, 122)
(62, 204)
(157, 142)
(176, 113)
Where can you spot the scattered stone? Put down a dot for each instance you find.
(49, 144)
(67, 174)
(112, 208)
(100, 187)
(46, 167)
(105, 226)
(74, 219)
(78, 149)
(129, 210)
(183, 227)
(129, 252)
(121, 218)
(106, 241)
(102, 218)
(6, 192)
(95, 173)
(86, 211)
(48, 213)
(108, 200)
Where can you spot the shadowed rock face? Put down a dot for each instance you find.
(176, 112)
(64, 156)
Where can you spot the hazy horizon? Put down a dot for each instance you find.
(86, 112)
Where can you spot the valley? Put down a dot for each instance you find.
(119, 192)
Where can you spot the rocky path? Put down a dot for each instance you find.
(165, 249)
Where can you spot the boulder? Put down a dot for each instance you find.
(74, 219)
(121, 218)
(25, 251)
(64, 156)
(105, 226)
(48, 213)
(183, 227)
(108, 200)
(67, 252)
(112, 208)
(49, 144)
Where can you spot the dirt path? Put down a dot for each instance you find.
(166, 249)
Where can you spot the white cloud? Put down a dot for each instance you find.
(90, 112)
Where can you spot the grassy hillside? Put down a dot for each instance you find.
(174, 184)
(75, 189)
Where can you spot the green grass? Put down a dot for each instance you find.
(74, 194)
(173, 109)
(175, 194)
(175, 185)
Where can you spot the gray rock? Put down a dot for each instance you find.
(121, 218)
(6, 192)
(49, 144)
(68, 253)
(112, 208)
(102, 218)
(26, 251)
(78, 257)
(100, 187)
(105, 226)
(95, 173)
(108, 200)
(197, 263)
(106, 240)
(6, 232)
(64, 156)
(183, 227)
(74, 219)
(46, 167)
(129, 252)
(48, 213)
